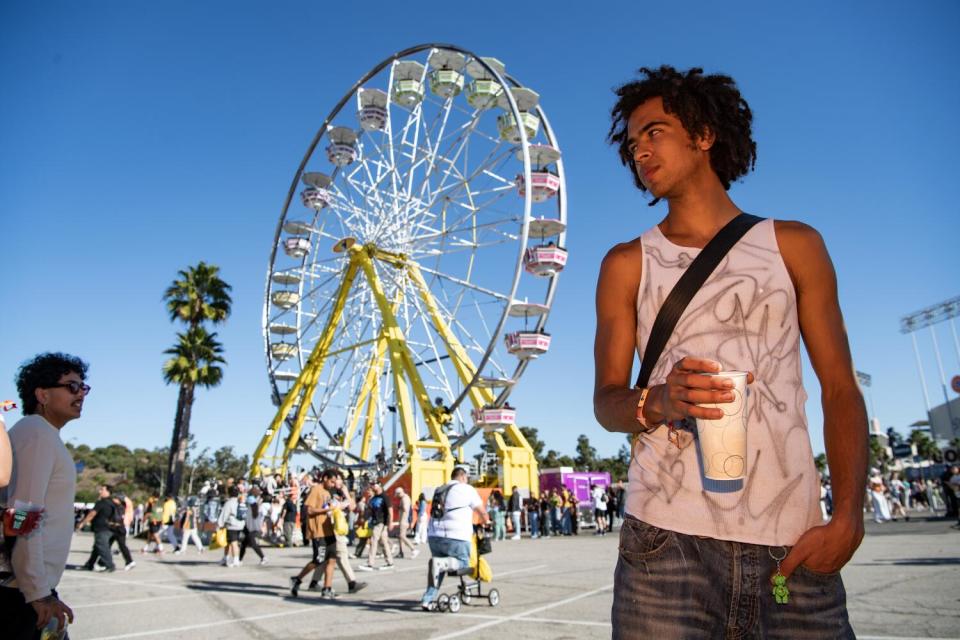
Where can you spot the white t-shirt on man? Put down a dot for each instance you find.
(457, 521)
(598, 502)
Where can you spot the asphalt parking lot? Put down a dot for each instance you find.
(904, 582)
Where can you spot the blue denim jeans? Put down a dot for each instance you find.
(447, 554)
(669, 585)
(533, 517)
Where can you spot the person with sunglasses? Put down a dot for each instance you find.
(52, 389)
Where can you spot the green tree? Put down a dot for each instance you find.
(226, 464)
(197, 296)
(877, 455)
(821, 462)
(533, 439)
(586, 458)
(554, 459)
(194, 362)
(926, 447)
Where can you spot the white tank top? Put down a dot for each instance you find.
(745, 317)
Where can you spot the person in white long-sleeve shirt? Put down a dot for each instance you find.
(52, 389)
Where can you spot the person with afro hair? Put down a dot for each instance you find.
(52, 391)
(743, 553)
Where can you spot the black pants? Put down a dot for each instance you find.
(249, 539)
(120, 537)
(101, 550)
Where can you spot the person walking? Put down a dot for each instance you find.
(120, 526)
(52, 393)
(168, 519)
(380, 516)
(342, 497)
(253, 523)
(99, 518)
(420, 535)
(712, 550)
(878, 499)
(188, 528)
(319, 504)
(546, 513)
(288, 514)
(232, 518)
(405, 516)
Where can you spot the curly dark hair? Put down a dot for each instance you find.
(702, 103)
(45, 370)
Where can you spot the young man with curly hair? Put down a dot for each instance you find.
(52, 389)
(697, 556)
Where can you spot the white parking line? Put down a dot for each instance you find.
(518, 616)
(110, 603)
(218, 623)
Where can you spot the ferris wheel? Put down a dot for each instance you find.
(411, 278)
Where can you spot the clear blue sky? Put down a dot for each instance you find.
(138, 138)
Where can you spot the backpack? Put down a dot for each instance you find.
(115, 520)
(438, 507)
(241, 511)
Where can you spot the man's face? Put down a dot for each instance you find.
(330, 483)
(104, 492)
(664, 156)
(60, 405)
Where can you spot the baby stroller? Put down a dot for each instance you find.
(471, 578)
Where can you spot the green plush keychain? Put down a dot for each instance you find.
(780, 592)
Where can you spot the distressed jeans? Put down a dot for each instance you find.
(669, 585)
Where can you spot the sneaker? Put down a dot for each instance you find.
(263, 560)
(328, 593)
(313, 586)
(238, 563)
(415, 553)
(130, 565)
(366, 567)
(387, 567)
(426, 602)
(294, 586)
(178, 552)
(356, 586)
(99, 568)
(223, 561)
(516, 537)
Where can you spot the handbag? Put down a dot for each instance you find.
(363, 531)
(219, 539)
(340, 525)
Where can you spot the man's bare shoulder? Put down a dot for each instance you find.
(796, 235)
(623, 260)
(803, 251)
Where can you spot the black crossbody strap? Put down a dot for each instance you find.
(688, 285)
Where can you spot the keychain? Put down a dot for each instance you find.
(780, 592)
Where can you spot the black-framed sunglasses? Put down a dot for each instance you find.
(73, 386)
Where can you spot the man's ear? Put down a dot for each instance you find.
(704, 142)
(42, 395)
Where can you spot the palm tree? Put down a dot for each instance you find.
(194, 362)
(198, 295)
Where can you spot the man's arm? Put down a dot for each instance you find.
(825, 549)
(34, 458)
(87, 518)
(6, 455)
(614, 402)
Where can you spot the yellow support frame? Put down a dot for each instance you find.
(517, 461)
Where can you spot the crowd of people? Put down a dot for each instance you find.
(890, 496)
